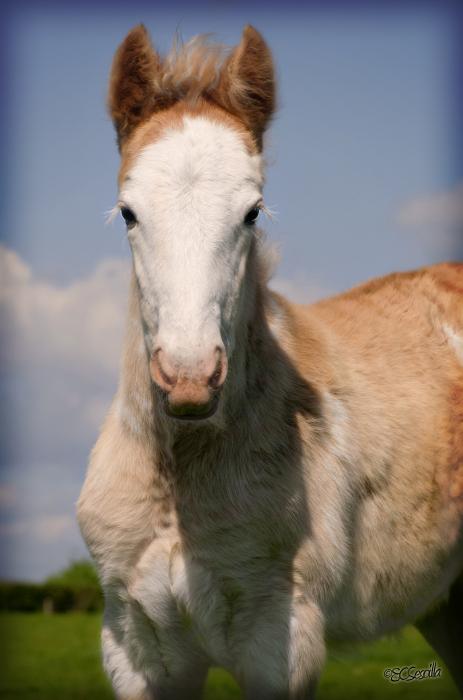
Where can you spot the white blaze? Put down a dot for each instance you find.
(190, 192)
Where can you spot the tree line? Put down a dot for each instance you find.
(75, 588)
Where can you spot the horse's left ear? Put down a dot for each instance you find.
(248, 82)
(133, 93)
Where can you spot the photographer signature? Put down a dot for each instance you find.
(412, 673)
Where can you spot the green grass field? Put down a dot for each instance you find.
(58, 656)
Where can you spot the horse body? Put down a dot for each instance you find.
(323, 499)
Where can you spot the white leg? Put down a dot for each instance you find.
(128, 683)
(147, 662)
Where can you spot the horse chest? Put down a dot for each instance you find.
(210, 584)
(178, 592)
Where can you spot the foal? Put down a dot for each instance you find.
(270, 476)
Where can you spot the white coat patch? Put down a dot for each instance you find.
(455, 340)
(190, 192)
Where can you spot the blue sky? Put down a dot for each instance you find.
(363, 174)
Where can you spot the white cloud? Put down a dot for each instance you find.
(14, 528)
(52, 527)
(39, 532)
(8, 496)
(62, 346)
(59, 354)
(79, 325)
(44, 528)
(438, 215)
(299, 290)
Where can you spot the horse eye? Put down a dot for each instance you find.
(128, 216)
(251, 216)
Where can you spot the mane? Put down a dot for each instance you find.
(192, 69)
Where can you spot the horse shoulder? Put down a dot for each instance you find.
(123, 505)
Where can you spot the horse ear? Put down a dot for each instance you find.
(248, 82)
(132, 87)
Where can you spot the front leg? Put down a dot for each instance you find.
(147, 661)
(285, 653)
(129, 683)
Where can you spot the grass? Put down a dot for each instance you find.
(50, 657)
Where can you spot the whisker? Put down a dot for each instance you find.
(111, 214)
(269, 212)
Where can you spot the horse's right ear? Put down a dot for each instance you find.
(248, 82)
(135, 71)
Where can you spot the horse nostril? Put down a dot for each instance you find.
(214, 380)
(166, 378)
(161, 373)
(217, 378)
